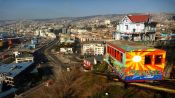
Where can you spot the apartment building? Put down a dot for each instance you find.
(92, 48)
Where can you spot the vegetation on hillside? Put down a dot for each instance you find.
(77, 84)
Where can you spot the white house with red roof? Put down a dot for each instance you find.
(135, 25)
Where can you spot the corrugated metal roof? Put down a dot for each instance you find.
(13, 70)
(10, 91)
(24, 55)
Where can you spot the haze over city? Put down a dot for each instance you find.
(40, 9)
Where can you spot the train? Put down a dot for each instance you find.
(135, 62)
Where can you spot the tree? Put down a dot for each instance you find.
(102, 67)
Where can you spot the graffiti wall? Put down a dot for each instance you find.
(145, 64)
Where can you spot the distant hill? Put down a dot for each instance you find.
(159, 17)
(6, 22)
(162, 17)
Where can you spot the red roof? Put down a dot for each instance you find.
(138, 18)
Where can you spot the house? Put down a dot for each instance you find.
(135, 27)
(90, 61)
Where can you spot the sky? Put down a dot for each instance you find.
(41, 9)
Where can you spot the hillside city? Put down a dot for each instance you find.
(88, 57)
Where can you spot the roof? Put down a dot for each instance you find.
(127, 45)
(97, 57)
(8, 92)
(139, 18)
(93, 42)
(24, 55)
(13, 70)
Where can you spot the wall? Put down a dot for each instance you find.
(139, 27)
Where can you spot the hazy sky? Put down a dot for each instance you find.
(35, 9)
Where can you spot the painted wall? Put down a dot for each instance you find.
(140, 64)
(136, 69)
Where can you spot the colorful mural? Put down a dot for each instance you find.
(136, 60)
(138, 65)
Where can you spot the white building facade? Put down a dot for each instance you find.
(45, 34)
(132, 26)
(92, 49)
(129, 27)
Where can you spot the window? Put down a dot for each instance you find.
(108, 49)
(126, 27)
(118, 56)
(121, 59)
(147, 59)
(134, 30)
(113, 53)
(116, 53)
(158, 59)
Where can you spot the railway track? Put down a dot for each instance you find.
(166, 86)
(44, 49)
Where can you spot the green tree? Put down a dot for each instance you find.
(102, 67)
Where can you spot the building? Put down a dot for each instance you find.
(87, 37)
(90, 61)
(66, 38)
(44, 33)
(51, 35)
(107, 22)
(34, 41)
(135, 27)
(66, 50)
(92, 48)
(12, 74)
(23, 57)
(64, 30)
